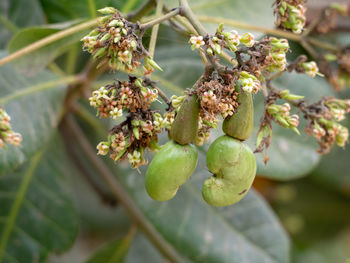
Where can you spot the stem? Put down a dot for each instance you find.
(118, 191)
(321, 44)
(186, 11)
(239, 24)
(92, 8)
(160, 19)
(153, 41)
(47, 40)
(128, 6)
(40, 87)
(8, 24)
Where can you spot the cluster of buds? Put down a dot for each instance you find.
(216, 97)
(131, 95)
(6, 133)
(291, 15)
(115, 39)
(281, 114)
(277, 54)
(129, 139)
(249, 82)
(311, 69)
(327, 132)
(215, 43)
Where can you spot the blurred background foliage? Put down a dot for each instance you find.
(299, 211)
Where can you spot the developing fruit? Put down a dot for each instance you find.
(233, 166)
(171, 167)
(185, 127)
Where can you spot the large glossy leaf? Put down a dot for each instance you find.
(37, 60)
(142, 250)
(15, 14)
(245, 232)
(60, 10)
(37, 216)
(113, 252)
(34, 105)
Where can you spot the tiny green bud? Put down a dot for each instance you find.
(107, 11)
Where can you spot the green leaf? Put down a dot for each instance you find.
(59, 11)
(14, 15)
(32, 63)
(142, 250)
(114, 252)
(37, 216)
(34, 104)
(247, 231)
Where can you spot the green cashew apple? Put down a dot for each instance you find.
(240, 124)
(233, 164)
(185, 126)
(171, 167)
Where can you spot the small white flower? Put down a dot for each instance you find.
(116, 113)
(197, 41)
(102, 148)
(134, 158)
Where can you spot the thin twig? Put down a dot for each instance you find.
(160, 19)
(118, 191)
(47, 40)
(153, 40)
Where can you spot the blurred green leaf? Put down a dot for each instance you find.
(34, 105)
(326, 251)
(114, 252)
(61, 10)
(142, 250)
(18, 14)
(32, 63)
(37, 216)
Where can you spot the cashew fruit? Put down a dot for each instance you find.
(240, 124)
(171, 167)
(185, 126)
(233, 164)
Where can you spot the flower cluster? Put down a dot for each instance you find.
(325, 127)
(277, 54)
(215, 43)
(6, 133)
(129, 139)
(116, 40)
(281, 113)
(131, 95)
(216, 97)
(249, 82)
(291, 15)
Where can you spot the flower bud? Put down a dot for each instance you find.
(107, 11)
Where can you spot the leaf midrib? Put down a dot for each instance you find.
(10, 222)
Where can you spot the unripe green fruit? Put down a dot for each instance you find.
(240, 124)
(233, 164)
(170, 168)
(185, 126)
